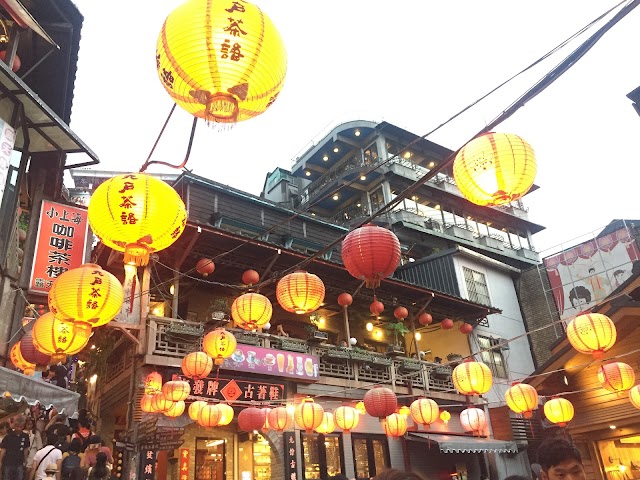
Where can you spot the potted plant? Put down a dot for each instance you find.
(454, 359)
(361, 355)
(219, 308)
(398, 330)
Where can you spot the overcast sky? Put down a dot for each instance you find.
(414, 64)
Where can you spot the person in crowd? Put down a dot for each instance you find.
(392, 474)
(58, 375)
(83, 433)
(343, 343)
(79, 473)
(95, 447)
(44, 457)
(35, 439)
(559, 459)
(100, 471)
(4, 428)
(58, 426)
(51, 472)
(280, 331)
(72, 460)
(14, 450)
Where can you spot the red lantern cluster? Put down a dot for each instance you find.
(380, 402)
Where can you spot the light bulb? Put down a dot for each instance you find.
(369, 327)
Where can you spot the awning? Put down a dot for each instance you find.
(29, 389)
(453, 444)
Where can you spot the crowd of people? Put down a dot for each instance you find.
(42, 444)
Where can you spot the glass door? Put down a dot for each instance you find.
(210, 459)
(370, 455)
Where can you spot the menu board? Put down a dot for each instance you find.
(247, 358)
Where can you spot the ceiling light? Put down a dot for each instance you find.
(336, 149)
(363, 177)
(437, 207)
(307, 173)
(369, 326)
(414, 198)
(432, 164)
(313, 214)
(418, 335)
(612, 427)
(325, 157)
(336, 197)
(358, 205)
(407, 155)
(357, 133)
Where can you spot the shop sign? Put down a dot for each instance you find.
(7, 139)
(290, 462)
(184, 464)
(60, 244)
(267, 361)
(230, 390)
(147, 465)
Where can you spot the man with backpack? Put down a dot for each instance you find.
(72, 460)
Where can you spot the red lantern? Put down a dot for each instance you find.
(30, 353)
(219, 344)
(380, 402)
(250, 277)
(153, 383)
(309, 415)
(522, 398)
(371, 253)
(146, 404)
(473, 420)
(424, 411)
(466, 328)
(376, 307)
(401, 313)
(447, 324)
(559, 410)
(616, 376)
(345, 299)
(300, 292)
(251, 419)
(251, 310)
(395, 425)
(425, 319)
(197, 365)
(280, 418)
(176, 390)
(347, 418)
(472, 378)
(205, 266)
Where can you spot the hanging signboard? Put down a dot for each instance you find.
(230, 390)
(267, 361)
(290, 467)
(148, 465)
(184, 464)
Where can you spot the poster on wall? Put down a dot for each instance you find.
(586, 274)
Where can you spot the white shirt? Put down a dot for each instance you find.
(53, 455)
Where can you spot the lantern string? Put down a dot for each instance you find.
(186, 156)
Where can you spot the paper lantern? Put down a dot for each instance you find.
(153, 383)
(472, 378)
(146, 404)
(425, 319)
(18, 360)
(251, 310)
(634, 396)
(327, 425)
(424, 411)
(401, 313)
(251, 419)
(522, 398)
(205, 266)
(592, 333)
(473, 420)
(345, 299)
(445, 416)
(371, 253)
(86, 294)
(280, 419)
(376, 307)
(194, 409)
(160, 403)
(30, 353)
(265, 426)
(222, 62)
(395, 425)
(495, 169)
(208, 415)
(309, 415)
(446, 324)
(250, 277)
(219, 344)
(380, 402)
(176, 409)
(616, 376)
(176, 390)
(559, 410)
(226, 414)
(197, 365)
(347, 418)
(136, 214)
(58, 338)
(300, 292)
(404, 411)
(361, 408)
(466, 328)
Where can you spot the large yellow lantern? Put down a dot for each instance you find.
(219, 344)
(176, 409)
(208, 415)
(194, 409)
(559, 410)
(347, 418)
(221, 61)
(251, 310)
(328, 424)
(86, 294)
(616, 376)
(592, 333)
(308, 414)
(146, 404)
(300, 292)
(176, 390)
(226, 414)
(160, 403)
(197, 365)
(634, 396)
(136, 214)
(59, 338)
(522, 398)
(18, 360)
(472, 378)
(395, 425)
(424, 411)
(495, 169)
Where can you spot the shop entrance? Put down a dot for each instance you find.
(254, 457)
(210, 459)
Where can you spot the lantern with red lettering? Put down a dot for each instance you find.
(300, 292)
(328, 424)
(205, 267)
(251, 310)
(176, 409)
(309, 414)
(472, 378)
(176, 390)
(424, 411)
(592, 333)
(371, 253)
(251, 419)
(347, 418)
(280, 418)
(559, 410)
(395, 425)
(59, 338)
(616, 376)
(522, 398)
(197, 365)
(473, 420)
(153, 383)
(18, 360)
(146, 404)
(194, 409)
(380, 402)
(219, 344)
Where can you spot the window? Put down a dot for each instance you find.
(210, 459)
(322, 456)
(476, 286)
(493, 358)
(370, 455)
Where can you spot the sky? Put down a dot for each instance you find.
(413, 64)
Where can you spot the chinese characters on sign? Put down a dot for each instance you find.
(231, 390)
(147, 465)
(60, 245)
(230, 48)
(247, 358)
(184, 464)
(290, 470)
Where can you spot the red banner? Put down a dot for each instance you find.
(184, 464)
(60, 245)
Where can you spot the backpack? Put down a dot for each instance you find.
(69, 464)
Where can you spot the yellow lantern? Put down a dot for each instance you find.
(361, 408)
(424, 411)
(197, 365)
(59, 338)
(347, 418)
(176, 390)
(146, 404)
(153, 383)
(223, 62)
(219, 344)
(592, 333)
(176, 409)
(616, 376)
(309, 415)
(495, 169)
(280, 418)
(18, 360)
(226, 414)
(208, 416)
(472, 378)
(473, 420)
(136, 214)
(522, 398)
(160, 403)
(86, 294)
(328, 425)
(251, 311)
(404, 411)
(300, 292)
(395, 425)
(634, 396)
(194, 409)
(445, 416)
(559, 410)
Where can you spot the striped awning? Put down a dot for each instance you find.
(454, 444)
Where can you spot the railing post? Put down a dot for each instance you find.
(151, 337)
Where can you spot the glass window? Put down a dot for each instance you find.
(493, 358)
(210, 459)
(377, 199)
(322, 456)
(370, 455)
(370, 154)
(476, 286)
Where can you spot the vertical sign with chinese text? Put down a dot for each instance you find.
(148, 465)
(184, 464)
(60, 245)
(290, 462)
